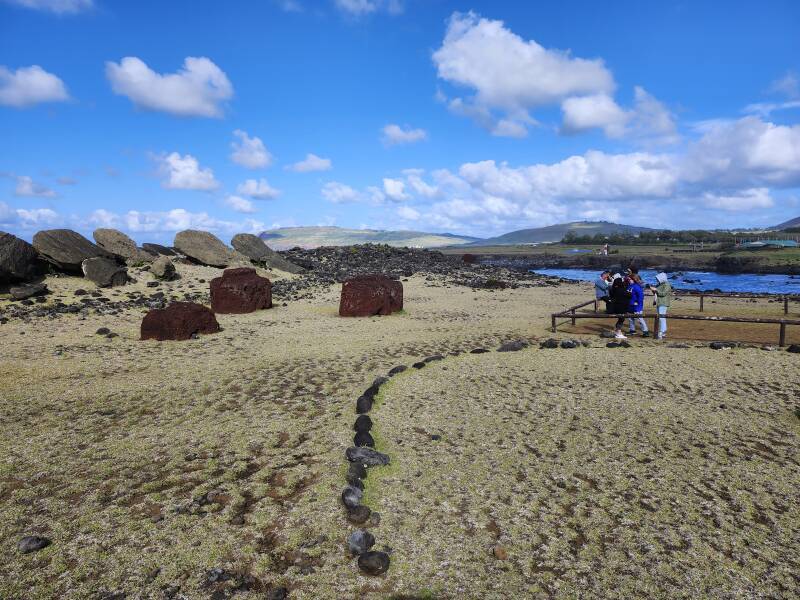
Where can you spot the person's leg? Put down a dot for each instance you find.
(662, 321)
(643, 323)
(631, 326)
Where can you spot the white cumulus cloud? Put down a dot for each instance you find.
(55, 6)
(239, 204)
(185, 173)
(360, 8)
(394, 134)
(394, 189)
(258, 189)
(741, 201)
(311, 163)
(30, 85)
(408, 213)
(198, 89)
(27, 187)
(509, 74)
(339, 193)
(249, 152)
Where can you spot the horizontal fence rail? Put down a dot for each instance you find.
(572, 314)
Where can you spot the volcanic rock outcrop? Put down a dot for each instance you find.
(178, 321)
(204, 248)
(104, 272)
(19, 261)
(254, 248)
(120, 245)
(240, 291)
(369, 295)
(66, 249)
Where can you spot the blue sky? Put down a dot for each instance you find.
(476, 118)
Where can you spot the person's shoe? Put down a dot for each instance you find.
(646, 334)
(620, 336)
(632, 332)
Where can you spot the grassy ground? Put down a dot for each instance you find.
(151, 464)
(652, 473)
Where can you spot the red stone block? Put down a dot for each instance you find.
(369, 295)
(179, 321)
(240, 291)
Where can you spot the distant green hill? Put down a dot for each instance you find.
(313, 237)
(790, 223)
(555, 233)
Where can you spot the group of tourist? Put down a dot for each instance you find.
(624, 294)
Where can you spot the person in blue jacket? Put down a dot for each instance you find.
(636, 305)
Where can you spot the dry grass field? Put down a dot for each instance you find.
(212, 468)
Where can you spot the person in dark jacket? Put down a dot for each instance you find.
(620, 300)
(636, 306)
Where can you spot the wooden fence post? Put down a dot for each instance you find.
(554, 323)
(701, 302)
(655, 323)
(573, 317)
(782, 337)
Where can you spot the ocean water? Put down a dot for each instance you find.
(700, 280)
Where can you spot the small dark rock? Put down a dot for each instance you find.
(435, 437)
(103, 331)
(80, 292)
(794, 349)
(358, 514)
(419, 365)
(373, 563)
(363, 405)
(514, 346)
(355, 481)
(363, 423)
(569, 344)
(363, 438)
(379, 381)
(721, 345)
(153, 284)
(32, 543)
(360, 541)
(397, 370)
(351, 496)
(479, 351)
(279, 593)
(613, 345)
(358, 470)
(433, 358)
(550, 343)
(366, 456)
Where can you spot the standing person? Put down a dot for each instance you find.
(663, 294)
(620, 299)
(636, 305)
(601, 287)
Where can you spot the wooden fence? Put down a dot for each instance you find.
(572, 314)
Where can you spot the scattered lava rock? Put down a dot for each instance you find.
(721, 345)
(360, 541)
(479, 351)
(397, 370)
(514, 346)
(794, 349)
(363, 423)
(374, 563)
(550, 343)
(363, 438)
(28, 291)
(179, 321)
(358, 514)
(32, 543)
(351, 496)
(366, 456)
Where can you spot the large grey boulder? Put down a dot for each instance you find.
(119, 244)
(19, 261)
(254, 248)
(204, 248)
(104, 272)
(162, 268)
(158, 249)
(66, 249)
(28, 290)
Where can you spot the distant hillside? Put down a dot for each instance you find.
(790, 223)
(555, 233)
(313, 237)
